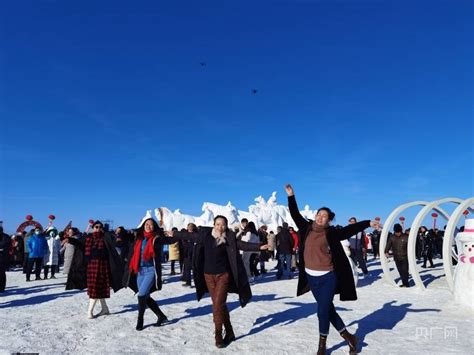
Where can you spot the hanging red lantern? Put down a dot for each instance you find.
(51, 217)
(29, 217)
(434, 215)
(377, 219)
(402, 219)
(91, 221)
(465, 213)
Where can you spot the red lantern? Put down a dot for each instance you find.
(465, 213)
(377, 219)
(434, 215)
(51, 217)
(402, 219)
(91, 221)
(29, 217)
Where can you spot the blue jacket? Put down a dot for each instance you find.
(37, 246)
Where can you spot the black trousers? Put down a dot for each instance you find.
(358, 258)
(188, 264)
(25, 262)
(402, 267)
(37, 263)
(46, 270)
(3, 278)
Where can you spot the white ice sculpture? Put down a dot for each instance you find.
(228, 211)
(464, 274)
(262, 212)
(447, 241)
(307, 213)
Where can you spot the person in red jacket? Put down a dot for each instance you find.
(294, 261)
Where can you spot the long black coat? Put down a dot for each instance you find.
(342, 267)
(130, 280)
(77, 275)
(238, 282)
(5, 242)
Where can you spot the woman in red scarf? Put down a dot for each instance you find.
(143, 274)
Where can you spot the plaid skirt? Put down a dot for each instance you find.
(98, 278)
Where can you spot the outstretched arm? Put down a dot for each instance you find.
(245, 246)
(352, 229)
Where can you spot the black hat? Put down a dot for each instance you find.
(397, 228)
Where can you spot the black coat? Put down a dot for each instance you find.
(130, 280)
(238, 282)
(334, 236)
(5, 243)
(77, 276)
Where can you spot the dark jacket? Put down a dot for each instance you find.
(334, 236)
(130, 280)
(77, 275)
(4, 248)
(284, 242)
(399, 246)
(238, 282)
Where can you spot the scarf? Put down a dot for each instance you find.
(148, 253)
(220, 238)
(318, 229)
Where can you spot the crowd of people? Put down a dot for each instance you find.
(218, 259)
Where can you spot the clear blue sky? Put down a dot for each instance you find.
(106, 110)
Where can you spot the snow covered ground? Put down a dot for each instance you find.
(41, 316)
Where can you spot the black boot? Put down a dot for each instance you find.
(352, 341)
(141, 311)
(156, 309)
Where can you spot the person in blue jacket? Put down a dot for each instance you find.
(37, 246)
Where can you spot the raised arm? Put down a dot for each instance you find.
(299, 220)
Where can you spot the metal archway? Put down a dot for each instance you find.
(448, 239)
(383, 238)
(414, 232)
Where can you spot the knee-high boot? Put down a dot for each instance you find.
(92, 302)
(151, 303)
(141, 311)
(105, 309)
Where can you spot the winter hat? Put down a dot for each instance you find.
(51, 228)
(148, 215)
(397, 228)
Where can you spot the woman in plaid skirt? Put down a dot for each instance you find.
(102, 268)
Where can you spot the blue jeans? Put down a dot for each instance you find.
(284, 263)
(323, 289)
(145, 280)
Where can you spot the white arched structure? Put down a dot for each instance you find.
(447, 240)
(449, 236)
(414, 232)
(383, 238)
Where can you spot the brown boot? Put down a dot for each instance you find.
(219, 340)
(322, 345)
(352, 340)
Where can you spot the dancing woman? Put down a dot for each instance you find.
(143, 272)
(218, 269)
(324, 268)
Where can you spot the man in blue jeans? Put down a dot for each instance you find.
(284, 245)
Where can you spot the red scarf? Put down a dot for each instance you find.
(148, 253)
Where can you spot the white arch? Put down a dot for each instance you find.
(414, 232)
(449, 236)
(383, 238)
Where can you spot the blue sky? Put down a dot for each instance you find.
(106, 110)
